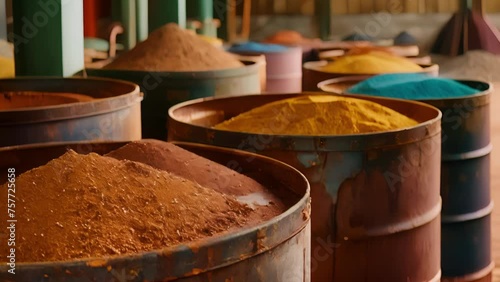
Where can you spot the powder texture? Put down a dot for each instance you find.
(475, 65)
(80, 206)
(412, 86)
(318, 115)
(371, 63)
(257, 48)
(171, 48)
(168, 157)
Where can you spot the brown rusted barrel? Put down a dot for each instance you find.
(39, 110)
(375, 197)
(465, 180)
(276, 250)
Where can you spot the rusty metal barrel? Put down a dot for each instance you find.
(275, 250)
(465, 179)
(165, 89)
(465, 185)
(375, 197)
(312, 74)
(95, 109)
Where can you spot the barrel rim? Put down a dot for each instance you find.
(312, 66)
(250, 67)
(301, 209)
(421, 131)
(70, 110)
(288, 49)
(481, 97)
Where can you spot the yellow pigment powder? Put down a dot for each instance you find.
(375, 62)
(318, 115)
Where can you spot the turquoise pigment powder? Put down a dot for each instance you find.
(412, 87)
(257, 48)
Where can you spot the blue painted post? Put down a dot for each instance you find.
(48, 37)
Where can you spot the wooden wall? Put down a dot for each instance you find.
(365, 6)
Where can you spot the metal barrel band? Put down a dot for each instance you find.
(468, 155)
(423, 219)
(473, 276)
(468, 216)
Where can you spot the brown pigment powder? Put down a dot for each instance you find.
(80, 206)
(29, 99)
(166, 156)
(170, 48)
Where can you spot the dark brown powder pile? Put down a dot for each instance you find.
(166, 156)
(80, 206)
(171, 48)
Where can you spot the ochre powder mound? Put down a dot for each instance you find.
(171, 48)
(80, 206)
(166, 156)
(318, 115)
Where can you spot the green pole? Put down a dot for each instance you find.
(142, 19)
(203, 11)
(128, 20)
(3, 20)
(48, 37)
(323, 12)
(221, 12)
(162, 12)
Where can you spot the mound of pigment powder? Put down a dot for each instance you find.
(80, 206)
(318, 115)
(171, 48)
(412, 86)
(257, 48)
(166, 156)
(371, 63)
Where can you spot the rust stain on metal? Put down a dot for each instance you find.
(194, 271)
(306, 213)
(97, 263)
(261, 236)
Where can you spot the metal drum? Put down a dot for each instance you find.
(276, 250)
(312, 74)
(375, 197)
(165, 89)
(114, 113)
(465, 180)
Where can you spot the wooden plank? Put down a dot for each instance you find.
(432, 6)
(491, 6)
(354, 6)
(366, 6)
(279, 6)
(443, 6)
(339, 7)
(382, 5)
(294, 7)
(411, 6)
(454, 5)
